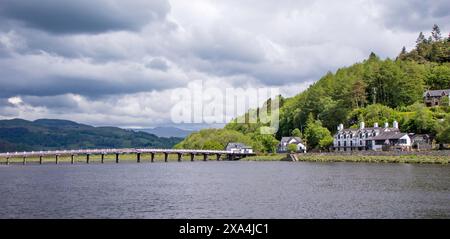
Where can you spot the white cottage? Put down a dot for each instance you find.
(286, 141)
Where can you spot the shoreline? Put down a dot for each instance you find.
(426, 157)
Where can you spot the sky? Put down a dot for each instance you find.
(117, 63)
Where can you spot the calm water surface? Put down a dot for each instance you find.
(225, 190)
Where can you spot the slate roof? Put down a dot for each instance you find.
(388, 135)
(287, 139)
(436, 93)
(237, 145)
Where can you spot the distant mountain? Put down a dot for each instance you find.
(49, 134)
(168, 132)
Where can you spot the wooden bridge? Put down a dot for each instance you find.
(228, 155)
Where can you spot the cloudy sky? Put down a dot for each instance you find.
(112, 62)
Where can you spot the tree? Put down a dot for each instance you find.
(315, 133)
(422, 122)
(436, 33)
(444, 136)
(359, 94)
(326, 142)
(269, 142)
(292, 148)
(296, 133)
(212, 145)
(420, 39)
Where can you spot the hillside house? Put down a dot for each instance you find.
(436, 97)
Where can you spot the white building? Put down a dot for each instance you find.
(286, 141)
(239, 148)
(372, 138)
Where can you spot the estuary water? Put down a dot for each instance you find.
(225, 190)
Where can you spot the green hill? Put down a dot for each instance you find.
(374, 90)
(48, 134)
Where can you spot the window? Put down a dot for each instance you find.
(360, 142)
(402, 141)
(339, 143)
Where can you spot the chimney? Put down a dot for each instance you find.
(395, 124)
(362, 125)
(386, 125)
(375, 125)
(340, 127)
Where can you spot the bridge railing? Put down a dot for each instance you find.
(116, 151)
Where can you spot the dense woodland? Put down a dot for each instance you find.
(45, 134)
(374, 90)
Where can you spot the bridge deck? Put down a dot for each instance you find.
(118, 151)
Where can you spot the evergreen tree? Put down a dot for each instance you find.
(420, 39)
(436, 33)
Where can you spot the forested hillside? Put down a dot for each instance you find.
(374, 90)
(45, 134)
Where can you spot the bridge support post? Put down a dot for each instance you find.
(192, 157)
(87, 158)
(117, 158)
(103, 158)
(56, 159)
(218, 157)
(7, 161)
(24, 160)
(166, 155)
(72, 160)
(179, 157)
(138, 156)
(231, 157)
(205, 157)
(152, 157)
(40, 159)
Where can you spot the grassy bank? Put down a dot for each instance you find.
(420, 159)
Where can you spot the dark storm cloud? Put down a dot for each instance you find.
(159, 64)
(84, 16)
(92, 88)
(415, 15)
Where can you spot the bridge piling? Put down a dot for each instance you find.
(207, 154)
